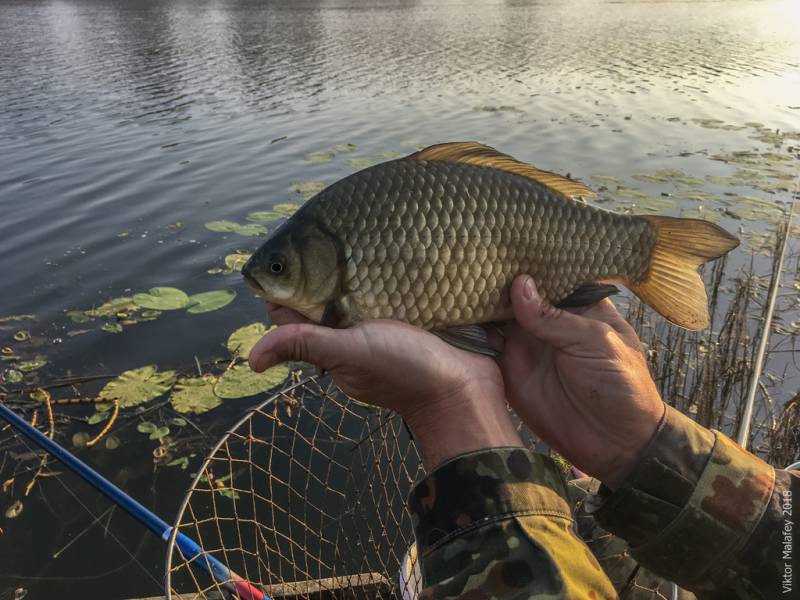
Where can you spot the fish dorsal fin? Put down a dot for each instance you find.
(473, 153)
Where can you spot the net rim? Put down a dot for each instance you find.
(173, 533)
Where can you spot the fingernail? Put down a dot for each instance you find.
(529, 289)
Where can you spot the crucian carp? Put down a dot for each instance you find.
(436, 238)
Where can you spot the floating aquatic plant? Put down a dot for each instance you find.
(195, 394)
(208, 301)
(307, 189)
(241, 341)
(240, 381)
(245, 229)
(137, 386)
(162, 298)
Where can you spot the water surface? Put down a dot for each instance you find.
(126, 126)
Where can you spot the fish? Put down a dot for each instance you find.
(435, 239)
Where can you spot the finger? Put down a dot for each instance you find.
(280, 315)
(555, 326)
(607, 312)
(305, 342)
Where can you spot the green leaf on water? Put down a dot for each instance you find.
(112, 327)
(22, 336)
(39, 395)
(236, 261)
(287, 209)
(112, 442)
(182, 462)
(79, 316)
(162, 298)
(146, 427)
(241, 341)
(112, 308)
(31, 365)
(13, 318)
(208, 301)
(264, 216)
(606, 180)
(179, 421)
(14, 376)
(149, 315)
(359, 163)
(630, 193)
(97, 417)
(307, 189)
(246, 229)
(80, 438)
(195, 395)
(160, 433)
(137, 386)
(240, 381)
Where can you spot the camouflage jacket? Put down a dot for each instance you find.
(698, 510)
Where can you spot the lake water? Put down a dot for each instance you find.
(125, 127)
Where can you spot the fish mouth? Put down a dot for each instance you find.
(253, 283)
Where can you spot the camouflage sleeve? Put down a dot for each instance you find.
(497, 524)
(706, 514)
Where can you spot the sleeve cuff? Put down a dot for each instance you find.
(477, 488)
(694, 498)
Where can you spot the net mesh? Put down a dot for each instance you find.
(305, 495)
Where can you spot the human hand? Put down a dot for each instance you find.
(580, 382)
(452, 400)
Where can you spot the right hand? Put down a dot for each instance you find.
(580, 382)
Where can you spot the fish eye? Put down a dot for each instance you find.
(277, 264)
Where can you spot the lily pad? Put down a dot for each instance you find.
(208, 301)
(112, 327)
(22, 336)
(240, 381)
(287, 209)
(195, 395)
(97, 417)
(112, 442)
(241, 341)
(155, 432)
(264, 216)
(137, 386)
(31, 365)
(246, 229)
(80, 438)
(236, 261)
(14, 376)
(607, 179)
(359, 163)
(307, 189)
(79, 316)
(162, 298)
(113, 307)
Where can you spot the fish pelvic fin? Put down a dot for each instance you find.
(472, 338)
(473, 153)
(672, 285)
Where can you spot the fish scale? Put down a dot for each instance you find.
(480, 227)
(436, 238)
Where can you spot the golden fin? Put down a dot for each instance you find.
(672, 285)
(479, 155)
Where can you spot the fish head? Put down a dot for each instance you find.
(297, 267)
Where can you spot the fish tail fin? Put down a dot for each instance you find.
(672, 285)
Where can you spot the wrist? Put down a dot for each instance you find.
(628, 457)
(474, 418)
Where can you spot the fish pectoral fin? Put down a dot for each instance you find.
(331, 315)
(472, 338)
(588, 294)
(473, 153)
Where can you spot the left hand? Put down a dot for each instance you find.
(454, 401)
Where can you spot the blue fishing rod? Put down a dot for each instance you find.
(191, 550)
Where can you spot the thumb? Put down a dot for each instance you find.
(304, 342)
(557, 327)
